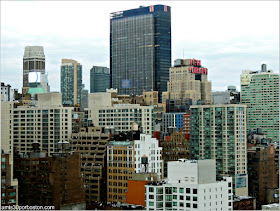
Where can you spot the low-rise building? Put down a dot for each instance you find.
(191, 185)
(244, 203)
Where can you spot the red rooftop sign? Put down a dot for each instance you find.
(196, 67)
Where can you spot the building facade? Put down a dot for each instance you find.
(172, 120)
(47, 123)
(91, 143)
(9, 185)
(149, 148)
(33, 61)
(219, 132)
(120, 161)
(50, 181)
(122, 116)
(221, 97)
(260, 92)
(71, 82)
(175, 146)
(99, 79)
(136, 187)
(140, 49)
(7, 94)
(191, 185)
(262, 172)
(188, 80)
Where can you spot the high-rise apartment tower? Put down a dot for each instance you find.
(219, 132)
(260, 92)
(140, 49)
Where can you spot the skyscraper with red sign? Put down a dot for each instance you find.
(188, 80)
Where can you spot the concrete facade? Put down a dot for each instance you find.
(191, 185)
(48, 122)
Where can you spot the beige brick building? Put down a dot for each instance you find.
(188, 79)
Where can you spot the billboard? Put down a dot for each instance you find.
(240, 180)
(34, 77)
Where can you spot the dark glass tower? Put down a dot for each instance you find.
(140, 49)
(99, 79)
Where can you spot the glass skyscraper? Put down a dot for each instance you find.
(140, 49)
(71, 82)
(99, 79)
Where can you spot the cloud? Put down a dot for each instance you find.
(227, 36)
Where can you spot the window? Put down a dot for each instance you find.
(174, 190)
(188, 190)
(194, 191)
(188, 198)
(194, 205)
(151, 203)
(151, 189)
(181, 204)
(181, 197)
(151, 196)
(174, 203)
(3, 159)
(188, 205)
(174, 196)
(194, 198)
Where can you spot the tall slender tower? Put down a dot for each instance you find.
(71, 82)
(33, 61)
(140, 49)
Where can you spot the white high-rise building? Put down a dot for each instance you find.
(191, 185)
(148, 148)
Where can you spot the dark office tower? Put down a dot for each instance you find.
(140, 49)
(71, 82)
(99, 79)
(33, 61)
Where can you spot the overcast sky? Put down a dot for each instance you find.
(227, 37)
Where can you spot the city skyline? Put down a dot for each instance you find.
(224, 35)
